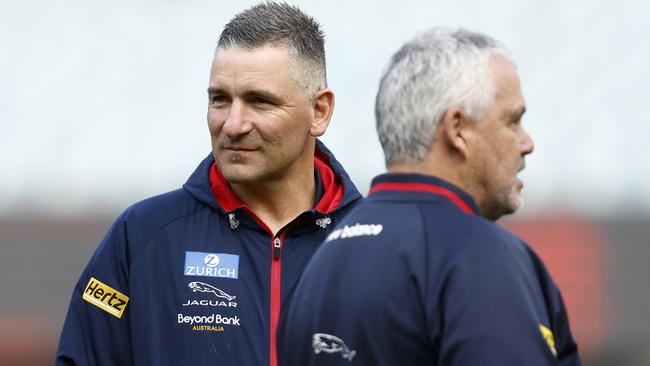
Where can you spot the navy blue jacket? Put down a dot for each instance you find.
(192, 277)
(415, 275)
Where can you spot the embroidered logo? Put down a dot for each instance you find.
(205, 287)
(548, 337)
(355, 231)
(105, 297)
(211, 265)
(322, 342)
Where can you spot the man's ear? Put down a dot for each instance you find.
(454, 130)
(323, 107)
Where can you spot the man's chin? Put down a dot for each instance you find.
(237, 174)
(521, 204)
(239, 178)
(516, 203)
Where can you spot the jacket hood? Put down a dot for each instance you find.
(339, 189)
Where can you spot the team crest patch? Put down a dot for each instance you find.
(548, 337)
(105, 297)
(221, 265)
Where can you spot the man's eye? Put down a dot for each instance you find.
(260, 100)
(219, 99)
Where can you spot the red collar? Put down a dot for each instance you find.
(423, 187)
(330, 200)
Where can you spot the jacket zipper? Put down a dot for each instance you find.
(276, 279)
(276, 284)
(277, 245)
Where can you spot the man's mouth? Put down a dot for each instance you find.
(238, 148)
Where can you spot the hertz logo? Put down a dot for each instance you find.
(105, 297)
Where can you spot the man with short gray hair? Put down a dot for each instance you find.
(418, 274)
(199, 276)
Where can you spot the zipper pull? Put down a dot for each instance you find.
(323, 222)
(276, 248)
(233, 221)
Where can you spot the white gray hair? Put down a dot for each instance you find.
(437, 70)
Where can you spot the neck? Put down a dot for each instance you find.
(448, 168)
(432, 166)
(277, 202)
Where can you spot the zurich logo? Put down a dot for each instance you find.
(211, 260)
(222, 265)
(322, 342)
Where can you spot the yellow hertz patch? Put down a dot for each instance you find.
(548, 337)
(105, 297)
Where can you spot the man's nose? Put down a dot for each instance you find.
(527, 145)
(237, 122)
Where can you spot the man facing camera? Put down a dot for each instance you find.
(199, 276)
(418, 274)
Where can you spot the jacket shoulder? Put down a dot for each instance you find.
(163, 206)
(466, 234)
(145, 218)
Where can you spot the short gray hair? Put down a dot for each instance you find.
(437, 70)
(281, 24)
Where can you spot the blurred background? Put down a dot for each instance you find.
(103, 104)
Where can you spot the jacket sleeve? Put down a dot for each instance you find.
(490, 312)
(567, 349)
(96, 329)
